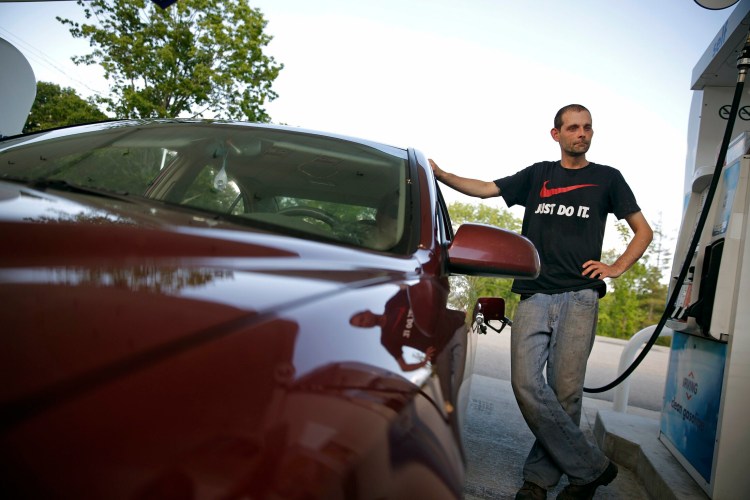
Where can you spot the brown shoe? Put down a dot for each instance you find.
(586, 491)
(531, 491)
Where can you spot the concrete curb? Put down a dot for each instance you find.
(633, 442)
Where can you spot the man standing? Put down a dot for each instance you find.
(566, 206)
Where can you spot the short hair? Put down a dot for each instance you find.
(570, 107)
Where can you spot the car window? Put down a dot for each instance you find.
(283, 180)
(212, 190)
(117, 169)
(445, 225)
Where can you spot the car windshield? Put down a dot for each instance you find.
(287, 180)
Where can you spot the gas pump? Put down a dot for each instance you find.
(707, 391)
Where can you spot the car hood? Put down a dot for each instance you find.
(213, 353)
(100, 283)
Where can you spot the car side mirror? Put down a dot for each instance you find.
(484, 250)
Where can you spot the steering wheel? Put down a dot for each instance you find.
(315, 213)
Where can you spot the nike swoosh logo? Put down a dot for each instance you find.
(547, 192)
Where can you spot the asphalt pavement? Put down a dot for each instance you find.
(646, 382)
(497, 438)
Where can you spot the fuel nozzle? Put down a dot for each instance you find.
(480, 324)
(743, 60)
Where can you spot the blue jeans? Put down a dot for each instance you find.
(557, 330)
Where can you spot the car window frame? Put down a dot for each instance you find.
(445, 225)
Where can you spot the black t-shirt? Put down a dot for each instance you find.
(401, 326)
(565, 217)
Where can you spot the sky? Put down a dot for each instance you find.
(473, 84)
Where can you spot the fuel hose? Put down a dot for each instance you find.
(743, 64)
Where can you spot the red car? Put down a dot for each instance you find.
(196, 309)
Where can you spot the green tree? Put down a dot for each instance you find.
(466, 290)
(637, 298)
(661, 258)
(57, 107)
(196, 57)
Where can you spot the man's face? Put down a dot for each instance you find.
(364, 319)
(575, 133)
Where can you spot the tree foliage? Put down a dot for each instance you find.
(484, 214)
(637, 298)
(55, 106)
(195, 58)
(634, 300)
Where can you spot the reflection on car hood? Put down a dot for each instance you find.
(101, 292)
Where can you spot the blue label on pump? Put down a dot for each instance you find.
(692, 395)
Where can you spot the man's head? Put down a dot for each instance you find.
(573, 130)
(365, 319)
